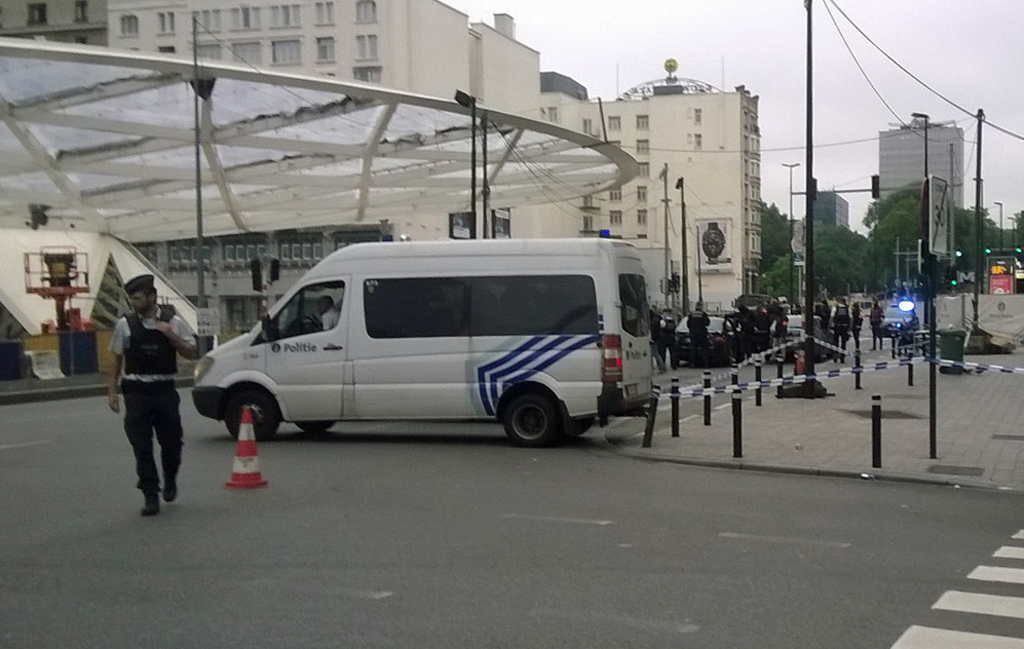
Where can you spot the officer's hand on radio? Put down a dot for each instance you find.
(165, 328)
(113, 401)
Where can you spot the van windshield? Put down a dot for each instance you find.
(633, 301)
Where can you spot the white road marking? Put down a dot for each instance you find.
(367, 594)
(922, 637)
(782, 539)
(1004, 575)
(953, 600)
(1009, 552)
(4, 447)
(556, 519)
(1019, 535)
(723, 406)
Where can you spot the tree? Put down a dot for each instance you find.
(774, 236)
(842, 262)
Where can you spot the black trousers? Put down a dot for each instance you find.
(148, 409)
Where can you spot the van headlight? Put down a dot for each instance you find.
(202, 368)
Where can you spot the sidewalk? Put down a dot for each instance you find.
(72, 387)
(980, 428)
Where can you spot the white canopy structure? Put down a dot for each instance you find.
(105, 141)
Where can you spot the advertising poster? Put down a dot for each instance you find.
(461, 225)
(713, 243)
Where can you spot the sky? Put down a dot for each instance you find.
(969, 52)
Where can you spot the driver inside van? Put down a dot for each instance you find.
(329, 312)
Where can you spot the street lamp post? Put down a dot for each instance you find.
(684, 268)
(792, 283)
(1000, 204)
(929, 263)
(467, 100)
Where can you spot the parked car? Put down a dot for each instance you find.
(719, 344)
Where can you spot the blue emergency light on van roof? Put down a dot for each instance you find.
(906, 305)
(606, 234)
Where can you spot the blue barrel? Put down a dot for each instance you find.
(10, 359)
(78, 353)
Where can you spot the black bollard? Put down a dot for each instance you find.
(735, 374)
(778, 374)
(737, 423)
(910, 372)
(894, 346)
(757, 377)
(876, 431)
(857, 369)
(707, 398)
(652, 414)
(675, 407)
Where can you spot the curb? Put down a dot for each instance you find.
(746, 465)
(68, 392)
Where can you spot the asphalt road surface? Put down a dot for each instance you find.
(443, 535)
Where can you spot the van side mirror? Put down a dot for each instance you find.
(270, 332)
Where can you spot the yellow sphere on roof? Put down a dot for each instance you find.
(671, 65)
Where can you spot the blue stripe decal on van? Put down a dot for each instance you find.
(520, 364)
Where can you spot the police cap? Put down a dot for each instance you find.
(142, 283)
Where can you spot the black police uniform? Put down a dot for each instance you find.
(151, 405)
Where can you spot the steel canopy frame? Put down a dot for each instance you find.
(105, 139)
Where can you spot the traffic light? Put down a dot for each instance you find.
(959, 253)
(257, 274)
(675, 282)
(876, 186)
(275, 270)
(1018, 250)
(988, 250)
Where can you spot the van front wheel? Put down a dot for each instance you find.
(532, 420)
(262, 406)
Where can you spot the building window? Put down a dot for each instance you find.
(366, 11)
(37, 14)
(325, 49)
(553, 114)
(643, 122)
(166, 21)
(698, 142)
(81, 11)
(372, 74)
(641, 217)
(208, 19)
(245, 18)
(284, 16)
(614, 123)
(286, 52)
(588, 223)
(615, 195)
(251, 53)
(641, 194)
(325, 13)
(615, 216)
(129, 25)
(698, 113)
(643, 147)
(588, 201)
(209, 51)
(82, 39)
(165, 49)
(367, 47)
(644, 169)
(588, 125)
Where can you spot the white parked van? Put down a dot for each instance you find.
(544, 335)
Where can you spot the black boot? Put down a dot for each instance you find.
(152, 507)
(170, 490)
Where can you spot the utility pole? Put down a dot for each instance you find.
(669, 295)
(810, 387)
(792, 283)
(929, 305)
(1002, 250)
(684, 268)
(978, 251)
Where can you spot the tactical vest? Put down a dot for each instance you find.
(149, 351)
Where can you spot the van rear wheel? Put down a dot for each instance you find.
(265, 415)
(531, 420)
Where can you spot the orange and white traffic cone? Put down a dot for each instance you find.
(246, 473)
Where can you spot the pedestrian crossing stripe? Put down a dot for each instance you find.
(1003, 575)
(923, 637)
(1009, 552)
(954, 600)
(1019, 535)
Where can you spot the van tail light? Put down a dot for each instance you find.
(611, 371)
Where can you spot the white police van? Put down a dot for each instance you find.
(544, 335)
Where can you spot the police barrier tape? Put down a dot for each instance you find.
(979, 368)
(692, 391)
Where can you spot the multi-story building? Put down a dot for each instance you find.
(832, 209)
(420, 46)
(710, 139)
(901, 156)
(67, 21)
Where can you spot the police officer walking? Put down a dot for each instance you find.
(841, 327)
(667, 338)
(697, 324)
(145, 344)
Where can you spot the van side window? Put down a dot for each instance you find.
(633, 298)
(421, 307)
(316, 307)
(528, 305)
